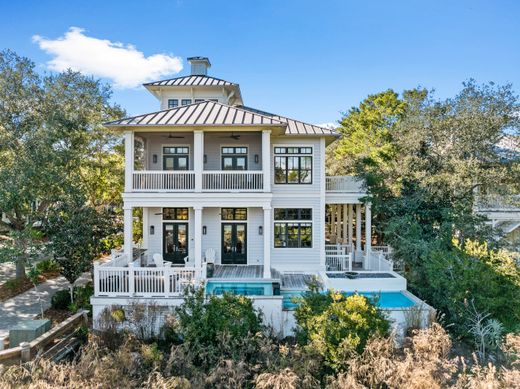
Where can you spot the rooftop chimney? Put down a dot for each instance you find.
(199, 66)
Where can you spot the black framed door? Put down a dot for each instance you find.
(175, 242)
(234, 162)
(234, 243)
(175, 162)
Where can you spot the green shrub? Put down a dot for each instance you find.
(61, 299)
(48, 266)
(82, 296)
(226, 327)
(338, 327)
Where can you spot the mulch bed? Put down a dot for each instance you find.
(14, 287)
(56, 316)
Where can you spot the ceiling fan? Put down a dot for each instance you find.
(170, 136)
(232, 136)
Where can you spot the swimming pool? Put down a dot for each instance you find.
(384, 300)
(249, 288)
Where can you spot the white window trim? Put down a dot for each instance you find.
(311, 222)
(273, 146)
(175, 145)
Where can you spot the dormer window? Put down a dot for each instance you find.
(185, 101)
(173, 103)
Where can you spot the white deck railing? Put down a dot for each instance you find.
(132, 281)
(338, 262)
(342, 184)
(159, 180)
(377, 261)
(496, 202)
(217, 181)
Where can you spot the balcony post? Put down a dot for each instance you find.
(128, 233)
(198, 237)
(339, 225)
(350, 216)
(131, 279)
(267, 242)
(198, 158)
(266, 159)
(358, 228)
(129, 160)
(368, 229)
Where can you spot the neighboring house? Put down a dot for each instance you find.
(237, 198)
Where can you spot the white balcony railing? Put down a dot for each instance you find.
(133, 281)
(159, 180)
(342, 184)
(222, 181)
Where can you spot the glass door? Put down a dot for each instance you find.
(234, 244)
(175, 242)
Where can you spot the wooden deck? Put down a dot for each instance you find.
(239, 272)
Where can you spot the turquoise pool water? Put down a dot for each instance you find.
(241, 288)
(384, 300)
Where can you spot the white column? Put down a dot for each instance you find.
(198, 237)
(350, 216)
(267, 242)
(338, 223)
(333, 223)
(128, 233)
(358, 227)
(129, 160)
(368, 228)
(146, 228)
(266, 159)
(345, 224)
(198, 158)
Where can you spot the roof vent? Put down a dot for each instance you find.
(199, 66)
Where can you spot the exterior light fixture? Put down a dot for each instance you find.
(205, 158)
(204, 230)
(154, 158)
(256, 158)
(152, 230)
(260, 230)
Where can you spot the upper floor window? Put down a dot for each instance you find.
(201, 100)
(293, 165)
(176, 158)
(173, 103)
(234, 158)
(293, 227)
(185, 101)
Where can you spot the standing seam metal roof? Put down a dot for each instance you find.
(195, 80)
(204, 113)
(212, 113)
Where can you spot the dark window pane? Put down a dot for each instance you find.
(241, 214)
(172, 103)
(305, 214)
(168, 213)
(233, 213)
(199, 100)
(279, 214)
(185, 101)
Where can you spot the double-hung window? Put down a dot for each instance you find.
(293, 165)
(293, 227)
(173, 103)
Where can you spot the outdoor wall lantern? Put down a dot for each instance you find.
(205, 158)
(152, 230)
(154, 158)
(260, 230)
(256, 158)
(204, 230)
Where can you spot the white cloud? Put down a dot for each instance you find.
(123, 64)
(329, 125)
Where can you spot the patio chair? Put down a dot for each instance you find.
(158, 260)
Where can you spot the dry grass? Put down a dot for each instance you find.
(424, 363)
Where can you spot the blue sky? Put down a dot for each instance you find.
(305, 59)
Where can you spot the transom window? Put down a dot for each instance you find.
(293, 165)
(185, 101)
(176, 150)
(175, 214)
(292, 228)
(234, 158)
(172, 103)
(233, 213)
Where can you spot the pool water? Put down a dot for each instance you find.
(384, 300)
(241, 288)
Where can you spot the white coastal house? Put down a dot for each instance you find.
(237, 199)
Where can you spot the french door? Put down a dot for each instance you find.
(175, 162)
(175, 242)
(234, 243)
